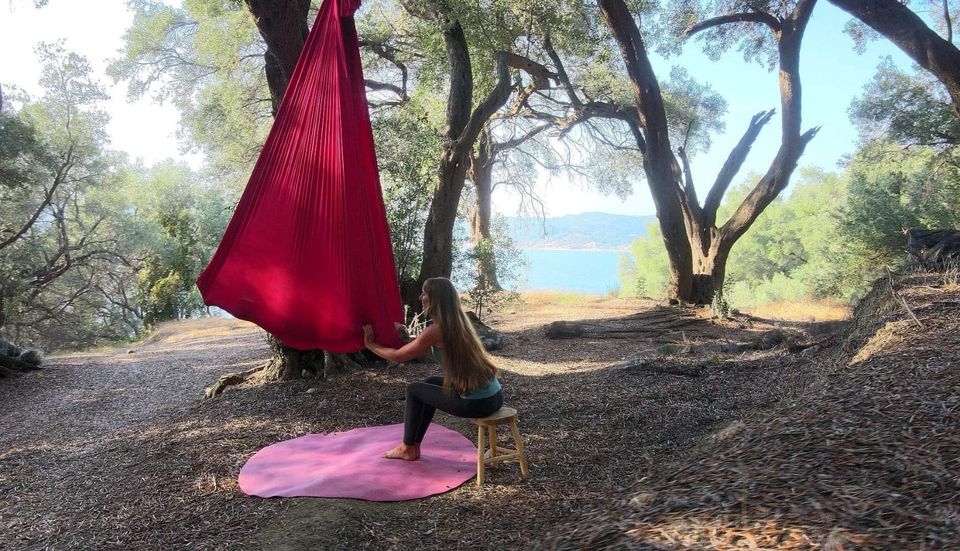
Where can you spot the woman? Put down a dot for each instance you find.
(468, 387)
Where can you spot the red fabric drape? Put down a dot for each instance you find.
(307, 255)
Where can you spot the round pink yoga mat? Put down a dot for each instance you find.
(351, 464)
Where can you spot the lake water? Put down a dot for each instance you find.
(580, 271)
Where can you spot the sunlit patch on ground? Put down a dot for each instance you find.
(807, 310)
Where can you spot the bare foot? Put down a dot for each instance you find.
(405, 452)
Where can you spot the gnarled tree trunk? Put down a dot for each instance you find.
(283, 26)
(287, 364)
(696, 247)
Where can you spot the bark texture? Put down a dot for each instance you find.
(283, 26)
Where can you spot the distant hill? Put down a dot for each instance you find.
(590, 230)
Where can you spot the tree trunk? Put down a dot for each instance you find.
(464, 124)
(481, 174)
(709, 271)
(283, 26)
(696, 247)
(659, 164)
(438, 230)
(289, 363)
(275, 80)
(907, 31)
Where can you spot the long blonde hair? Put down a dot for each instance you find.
(466, 364)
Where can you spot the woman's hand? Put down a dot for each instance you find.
(418, 347)
(367, 335)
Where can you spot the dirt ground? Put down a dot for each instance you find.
(118, 449)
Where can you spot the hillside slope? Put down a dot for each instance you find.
(590, 230)
(865, 457)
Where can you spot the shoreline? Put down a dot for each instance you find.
(569, 249)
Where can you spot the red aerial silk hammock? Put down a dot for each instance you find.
(307, 254)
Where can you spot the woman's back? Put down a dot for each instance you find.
(491, 387)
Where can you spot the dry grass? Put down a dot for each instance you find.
(951, 274)
(534, 309)
(198, 329)
(807, 310)
(558, 298)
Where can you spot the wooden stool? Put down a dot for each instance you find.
(503, 416)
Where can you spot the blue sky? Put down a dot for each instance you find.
(832, 74)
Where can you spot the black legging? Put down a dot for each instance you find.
(426, 397)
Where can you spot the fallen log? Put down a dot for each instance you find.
(613, 329)
(490, 338)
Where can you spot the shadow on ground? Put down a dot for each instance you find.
(119, 450)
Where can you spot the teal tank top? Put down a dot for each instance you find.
(492, 387)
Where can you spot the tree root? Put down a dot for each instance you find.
(337, 363)
(663, 368)
(287, 365)
(234, 379)
(614, 329)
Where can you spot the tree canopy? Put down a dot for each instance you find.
(468, 99)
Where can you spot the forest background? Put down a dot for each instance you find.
(97, 247)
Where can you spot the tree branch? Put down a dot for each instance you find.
(494, 100)
(802, 11)
(908, 32)
(601, 136)
(732, 165)
(540, 78)
(62, 171)
(772, 183)
(561, 73)
(649, 99)
(387, 52)
(376, 85)
(689, 192)
(746, 17)
(498, 147)
(501, 92)
(947, 21)
(540, 74)
(792, 141)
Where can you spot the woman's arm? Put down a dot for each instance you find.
(413, 349)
